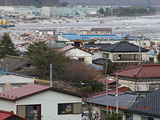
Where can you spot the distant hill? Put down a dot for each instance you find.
(114, 2)
(29, 2)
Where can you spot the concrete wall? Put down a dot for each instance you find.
(140, 86)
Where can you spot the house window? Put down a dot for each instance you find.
(69, 108)
(81, 59)
(30, 112)
(126, 57)
(105, 55)
(146, 118)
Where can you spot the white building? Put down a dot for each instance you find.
(77, 54)
(36, 102)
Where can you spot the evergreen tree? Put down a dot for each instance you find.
(6, 46)
(41, 57)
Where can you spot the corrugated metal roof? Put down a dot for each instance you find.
(31, 89)
(23, 91)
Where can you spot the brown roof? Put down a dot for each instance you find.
(141, 71)
(101, 29)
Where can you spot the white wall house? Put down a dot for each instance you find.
(77, 54)
(37, 102)
(124, 52)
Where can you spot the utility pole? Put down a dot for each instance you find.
(117, 84)
(106, 85)
(51, 79)
(139, 62)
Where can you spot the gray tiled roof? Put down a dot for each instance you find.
(13, 63)
(110, 100)
(96, 45)
(123, 46)
(150, 105)
(100, 61)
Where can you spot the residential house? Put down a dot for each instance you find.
(124, 52)
(140, 78)
(107, 103)
(37, 102)
(147, 108)
(101, 31)
(77, 54)
(4, 115)
(14, 63)
(10, 81)
(97, 61)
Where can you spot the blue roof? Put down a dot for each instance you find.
(3, 72)
(73, 36)
(109, 37)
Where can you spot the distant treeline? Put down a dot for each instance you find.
(128, 11)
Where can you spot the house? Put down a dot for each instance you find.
(140, 78)
(4, 115)
(103, 103)
(124, 52)
(46, 31)
(14, 63)
(147, 108)
(77, 54)
(37, 102)
(101, 31)
(10, 81)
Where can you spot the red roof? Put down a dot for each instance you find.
(4, 115)
(141, 71)
(120, 90)
(23, 91)
(31, 89)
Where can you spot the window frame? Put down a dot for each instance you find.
(26, 109)
(72, 112)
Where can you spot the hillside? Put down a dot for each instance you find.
(29, 2)
(114, 2)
